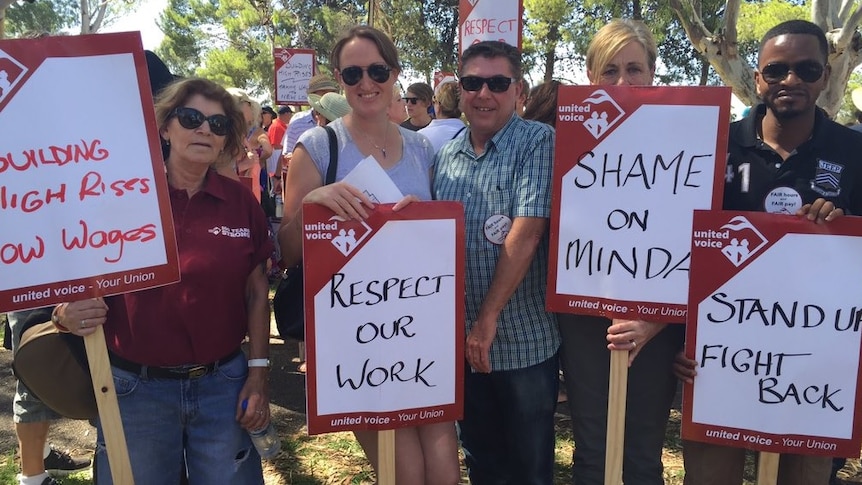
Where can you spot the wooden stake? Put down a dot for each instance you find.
(767, 468)
(109, 410)
(617, 387)
(386, 457)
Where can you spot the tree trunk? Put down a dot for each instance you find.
(551, 52)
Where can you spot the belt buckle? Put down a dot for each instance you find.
(197, 371)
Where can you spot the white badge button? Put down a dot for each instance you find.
(497, 227)
(783, 200)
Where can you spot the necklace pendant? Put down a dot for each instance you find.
(383, 151)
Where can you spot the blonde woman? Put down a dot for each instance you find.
(251, 163)
(623, 53)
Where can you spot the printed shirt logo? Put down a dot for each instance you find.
(604, 113)
(346, 236)
(230, 231)
(11, 73)
(827, 178)
(738, 240)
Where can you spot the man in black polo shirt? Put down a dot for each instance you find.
(786, 157)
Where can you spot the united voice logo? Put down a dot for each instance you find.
(346, 236)
(11, 74)
(598, 113)
(738, 240)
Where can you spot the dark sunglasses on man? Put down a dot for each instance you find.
(497, 84)
(807, 71)
(378, 73)
(191, 119)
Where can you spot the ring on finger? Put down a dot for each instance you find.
(84, 323)
(634, 344)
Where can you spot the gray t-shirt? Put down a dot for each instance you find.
(412, 174)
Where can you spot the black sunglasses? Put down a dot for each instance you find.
(807, 71)
(411, 100)
(191, 118)
(378, 73)
(497, 84)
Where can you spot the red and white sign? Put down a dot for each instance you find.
(84, 207)
(441, 77)
(630, 166)
(775, 326)
(293, 69)
(490, 20)
(384, 303)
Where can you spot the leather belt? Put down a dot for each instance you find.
(193, 371)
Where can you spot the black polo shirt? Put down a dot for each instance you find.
(828, 165)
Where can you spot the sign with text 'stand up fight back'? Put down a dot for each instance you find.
(84, 209)
(384, 303)
(631, 164)
(775, 327)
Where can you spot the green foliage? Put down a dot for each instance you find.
(550, 26)
(755, 18)
(50, 16)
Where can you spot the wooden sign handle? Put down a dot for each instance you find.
(767, 468)
(617, 387)
(109, 410)
(386, 457)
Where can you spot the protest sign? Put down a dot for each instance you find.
(775, 321)
(84, 206)
(293, 69)
(630, 166)
(490, 20)
(384, 303)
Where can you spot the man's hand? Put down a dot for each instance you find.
(820, 211)
(479, 342)
(684, 368)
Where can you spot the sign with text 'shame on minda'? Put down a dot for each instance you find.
(630, 166)
(84, 207)
(293, 69)
(775, 327)
(490, 20)
(384, 310)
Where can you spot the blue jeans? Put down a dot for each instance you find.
(171, 421)
(508, 428)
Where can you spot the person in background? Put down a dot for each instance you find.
(781, 143)
(418, 99)
(328, 108)
(40, 462)
(276, 138)
(397, 108)
(365, 62)
(248, 166)
(501, 171)
(185, 391)
(622, 53)
(542, 103)
(448, 123)
(267, 116)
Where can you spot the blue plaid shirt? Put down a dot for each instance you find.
(512, 177)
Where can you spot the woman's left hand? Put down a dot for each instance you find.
(632, 335)
(407, 200)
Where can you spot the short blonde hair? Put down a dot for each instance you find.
(448, 98)
(611, 38)
(243, 97)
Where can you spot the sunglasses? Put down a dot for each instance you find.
(378, 73)
(807, 71)
(191, 119)
(497, 84)
(411, 100)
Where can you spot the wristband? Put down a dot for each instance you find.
(260, 363)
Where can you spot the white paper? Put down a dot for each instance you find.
(369, 177)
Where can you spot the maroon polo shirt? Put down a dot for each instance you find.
(222, 236)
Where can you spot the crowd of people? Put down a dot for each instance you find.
(187, 392)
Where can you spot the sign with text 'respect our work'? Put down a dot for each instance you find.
(775, 327)
(490, 20)
(630, 166)
(293, 69)
(384, 310)
(84, 207)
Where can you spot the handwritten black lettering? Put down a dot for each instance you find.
(810, 395)
(743, 360)
(658, 262)
(376, 291)
(369, 331)
(377, 376)
(612, 170)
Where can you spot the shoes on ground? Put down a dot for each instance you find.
(50, 481)
(61, 463)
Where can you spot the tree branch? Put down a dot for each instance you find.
(844, 11)
(849, 29)
(820, 14)
(731, 17)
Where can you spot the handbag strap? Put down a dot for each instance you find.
(333, 155)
